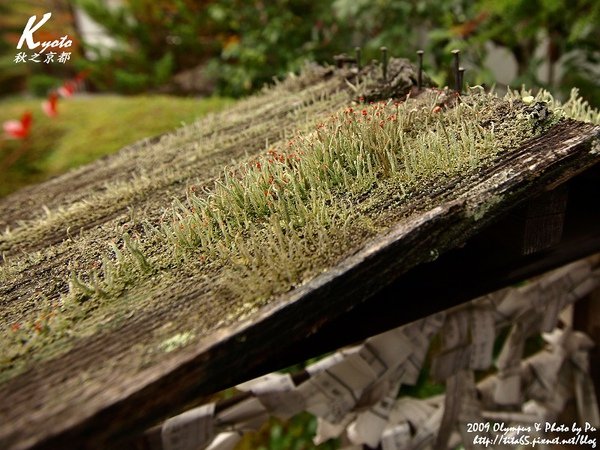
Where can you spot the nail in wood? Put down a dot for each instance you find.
(420, 73)
(456, 54)
(384, 62)
(357, 53)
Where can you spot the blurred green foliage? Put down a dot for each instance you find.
(39, 84)
(294, 434)
(243, 44)
(238, 45)
(153, 40)
(266, 39)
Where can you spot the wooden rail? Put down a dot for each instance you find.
(466, 238)
(428, 262)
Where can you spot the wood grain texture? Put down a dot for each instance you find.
(74, 401)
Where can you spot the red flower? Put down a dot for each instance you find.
(67, 89)
(49, 105)
(18, 129)
(82, 75)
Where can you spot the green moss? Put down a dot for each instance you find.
(311, 177)
(110, 282)
(274, 221)
(176, 341)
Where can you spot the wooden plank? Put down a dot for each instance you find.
(488, 261)
(461, 274)
(75, 399)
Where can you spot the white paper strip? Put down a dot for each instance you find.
(451, 361)
(551, 309)
(368, 426)
(225, 441)
(455, 330)
(390, 348)
(396, 438)
(469, 412)
(587, 286)
(246, 415)
(267, 383)
(454, 394)
(408, 409)
(482, 338)
(277, 393)
(355, 371)
(326, 397)
(508, 387)
(432, 324)
(510, 305)
(335, 398)
(427, 432)
(326, 430)
(545, 369)
(189, 431)
(373, 394)
(420, 346)
(325, 363)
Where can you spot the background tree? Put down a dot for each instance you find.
(240, 45)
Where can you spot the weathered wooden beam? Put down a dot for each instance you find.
(107, 409)
(489, 261)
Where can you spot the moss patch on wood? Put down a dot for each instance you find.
(243, 206)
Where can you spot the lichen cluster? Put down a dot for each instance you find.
(274, 218)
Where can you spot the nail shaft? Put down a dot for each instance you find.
(357, 53)
(456, 54)
(461, 75)
(384, 62)
(420, 73)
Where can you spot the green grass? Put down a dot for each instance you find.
(86, 129)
